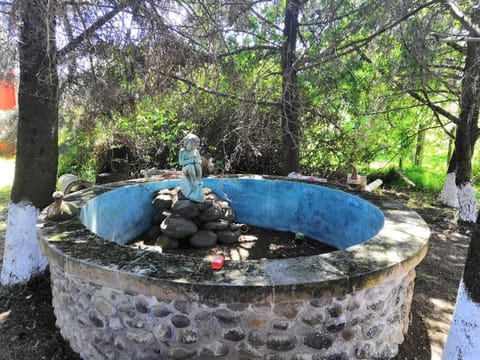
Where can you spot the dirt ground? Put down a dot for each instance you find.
(27, 323)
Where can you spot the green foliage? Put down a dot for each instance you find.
(424, 179)
(476, 166)
(421, 278)
(154, 130)
(76, 147)
(360, 118)
(220, 77)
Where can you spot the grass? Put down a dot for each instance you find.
(4, 197)
(422, 278)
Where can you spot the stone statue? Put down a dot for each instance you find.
(191, 184)
(61, 210)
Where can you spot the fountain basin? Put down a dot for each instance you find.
(112, 301)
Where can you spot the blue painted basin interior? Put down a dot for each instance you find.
(331, 216)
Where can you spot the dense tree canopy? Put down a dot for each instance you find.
(369, 79)
(329, 83)
(362, 77)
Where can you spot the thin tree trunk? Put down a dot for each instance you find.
(419, 148)
(451, 150)
(449, 194)
(290, 98)
(37, 140)
(467, 129)
(452, 164)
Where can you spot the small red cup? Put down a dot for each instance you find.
(217, 262)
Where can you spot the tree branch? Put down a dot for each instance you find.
(435, 108)
(443, 38)
(250, 48)
(437, 117)
(218, 93)
(368, 39)
(356, 45)
(74, 43)
(424, 100)
(460, 39)
(458, 14)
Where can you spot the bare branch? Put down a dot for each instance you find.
(435, 108)
(452, 44)
(461, 39)
(458, 14)
(265, 20)
(74, 43)
(424, 100)
(218, 93)
(250, 48)
(457, 47)
(356, 44)
(437, 118)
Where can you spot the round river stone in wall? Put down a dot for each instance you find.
(178, 227)
(318, 341)
(180, 321)
(281, 342)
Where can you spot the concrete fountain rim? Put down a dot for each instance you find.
(398, 247)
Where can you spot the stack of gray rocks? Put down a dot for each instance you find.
(200, 225)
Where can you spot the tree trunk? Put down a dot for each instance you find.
(467, 129)
(450, 151)
(419, 148)
(463, 337)
(290, 96)
(37, 140)
(449, 195)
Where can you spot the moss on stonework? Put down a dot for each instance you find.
(352, 268)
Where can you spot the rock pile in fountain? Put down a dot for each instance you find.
(198, 224)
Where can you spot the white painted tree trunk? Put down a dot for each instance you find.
(449, 196)
(463, 341)
(22, 257)
(467, 202)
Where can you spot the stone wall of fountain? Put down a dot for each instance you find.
(115, 302)
(102, 321)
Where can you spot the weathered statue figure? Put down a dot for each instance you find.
(191, 184)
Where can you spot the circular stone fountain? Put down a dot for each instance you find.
(113, 301)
